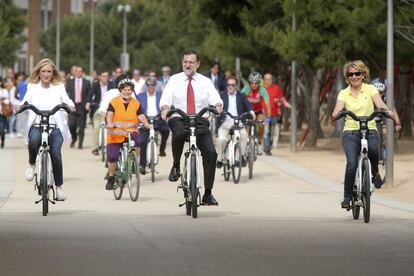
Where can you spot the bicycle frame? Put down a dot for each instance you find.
(363, 155)
(124, 166)
(152, 140)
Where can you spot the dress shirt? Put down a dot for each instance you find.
(151, 105)
(54, 95)
(78, 90)
(175, 92)
(104, 89)
(232, 108)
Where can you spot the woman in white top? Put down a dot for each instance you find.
(45, 90)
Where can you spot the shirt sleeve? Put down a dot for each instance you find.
(167, 93)
(140, 111)
(341, 96)
(64, 96)
(213, 95)
(110, 108)
(264, 93)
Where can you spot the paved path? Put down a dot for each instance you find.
(275, 224)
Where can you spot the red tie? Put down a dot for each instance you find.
(190, 97)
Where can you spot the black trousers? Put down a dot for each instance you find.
(180, 130)
(77, 123)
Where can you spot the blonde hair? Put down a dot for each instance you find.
(358, 65)
(35, 74)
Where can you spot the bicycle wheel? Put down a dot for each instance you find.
(152, 161)
(251, 150)
(44, 183)
(226, 165)
(119, 189)
(366, 191)
(237, 166)
(133, 179)
(355, 208)
(193, 186)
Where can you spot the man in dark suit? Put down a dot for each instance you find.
(95, 97)
(78, 90)
(150, 102)
(236, 104)
(217, 77)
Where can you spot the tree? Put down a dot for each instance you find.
(12, 23)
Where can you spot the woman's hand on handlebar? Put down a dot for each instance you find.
(219, 108)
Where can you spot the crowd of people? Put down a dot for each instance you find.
(122, 102)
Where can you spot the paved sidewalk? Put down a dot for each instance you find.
(7, 174)
(324, 167)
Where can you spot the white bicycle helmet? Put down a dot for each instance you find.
(125, 82)
(255, 76)
(380, 86)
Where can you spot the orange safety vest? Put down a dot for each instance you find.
(124, 120)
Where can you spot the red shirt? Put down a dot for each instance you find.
(256, 99)
(275, 92)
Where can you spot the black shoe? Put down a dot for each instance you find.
(2, 144)
(174, 174)
(95, 151)
(80, 146)
(162, 153)
(219, 164)
(346, 203)
(110, 184)
(72, 144)
(209, 200)
(377, 181)
(142, 170)
(268, 152)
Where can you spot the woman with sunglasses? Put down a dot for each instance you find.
(359, 97)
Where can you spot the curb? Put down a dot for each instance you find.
(325, 183)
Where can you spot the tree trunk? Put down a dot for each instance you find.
(314, 125)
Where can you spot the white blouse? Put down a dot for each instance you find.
(47, 99)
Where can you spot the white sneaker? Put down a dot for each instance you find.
(11, 135)
(19, 135)
(60, 195)
(30, 172)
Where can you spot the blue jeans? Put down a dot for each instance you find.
(3, 125)
(351, 143)
(271, 129)
(15, 123)
(55, 144)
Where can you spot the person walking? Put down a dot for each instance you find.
(191, 92)
(78, 90)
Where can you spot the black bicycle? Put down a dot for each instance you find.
(44, 182)
(190, 177)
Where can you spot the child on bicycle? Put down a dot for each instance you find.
(123, 115)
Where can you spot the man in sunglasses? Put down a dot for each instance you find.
(150, 101)
(236, 104)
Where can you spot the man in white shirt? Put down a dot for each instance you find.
(191, 92)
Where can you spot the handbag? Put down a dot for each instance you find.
(6, 109)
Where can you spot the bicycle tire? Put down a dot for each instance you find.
(366, 191)
(44, 184)
(226, 165)
(119, 189)
(152, 162)
(237, 166)
(355, 208)
(193, 186)
(134, 183)
(252, 153)
(103, 148)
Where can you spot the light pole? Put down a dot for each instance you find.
(124, 55)
(92, 37)
(58, 34)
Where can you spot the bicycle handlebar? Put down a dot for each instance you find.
(379, 112)
(241, 117)
(196, 116)
(27, 106)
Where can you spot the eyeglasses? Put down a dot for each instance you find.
(150, 84)
(190, 62)
(231, 84)
(357, 74)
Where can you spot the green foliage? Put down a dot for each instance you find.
(12, 23)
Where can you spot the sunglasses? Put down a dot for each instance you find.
(231, 84)
(357, 74)
(150, 84)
